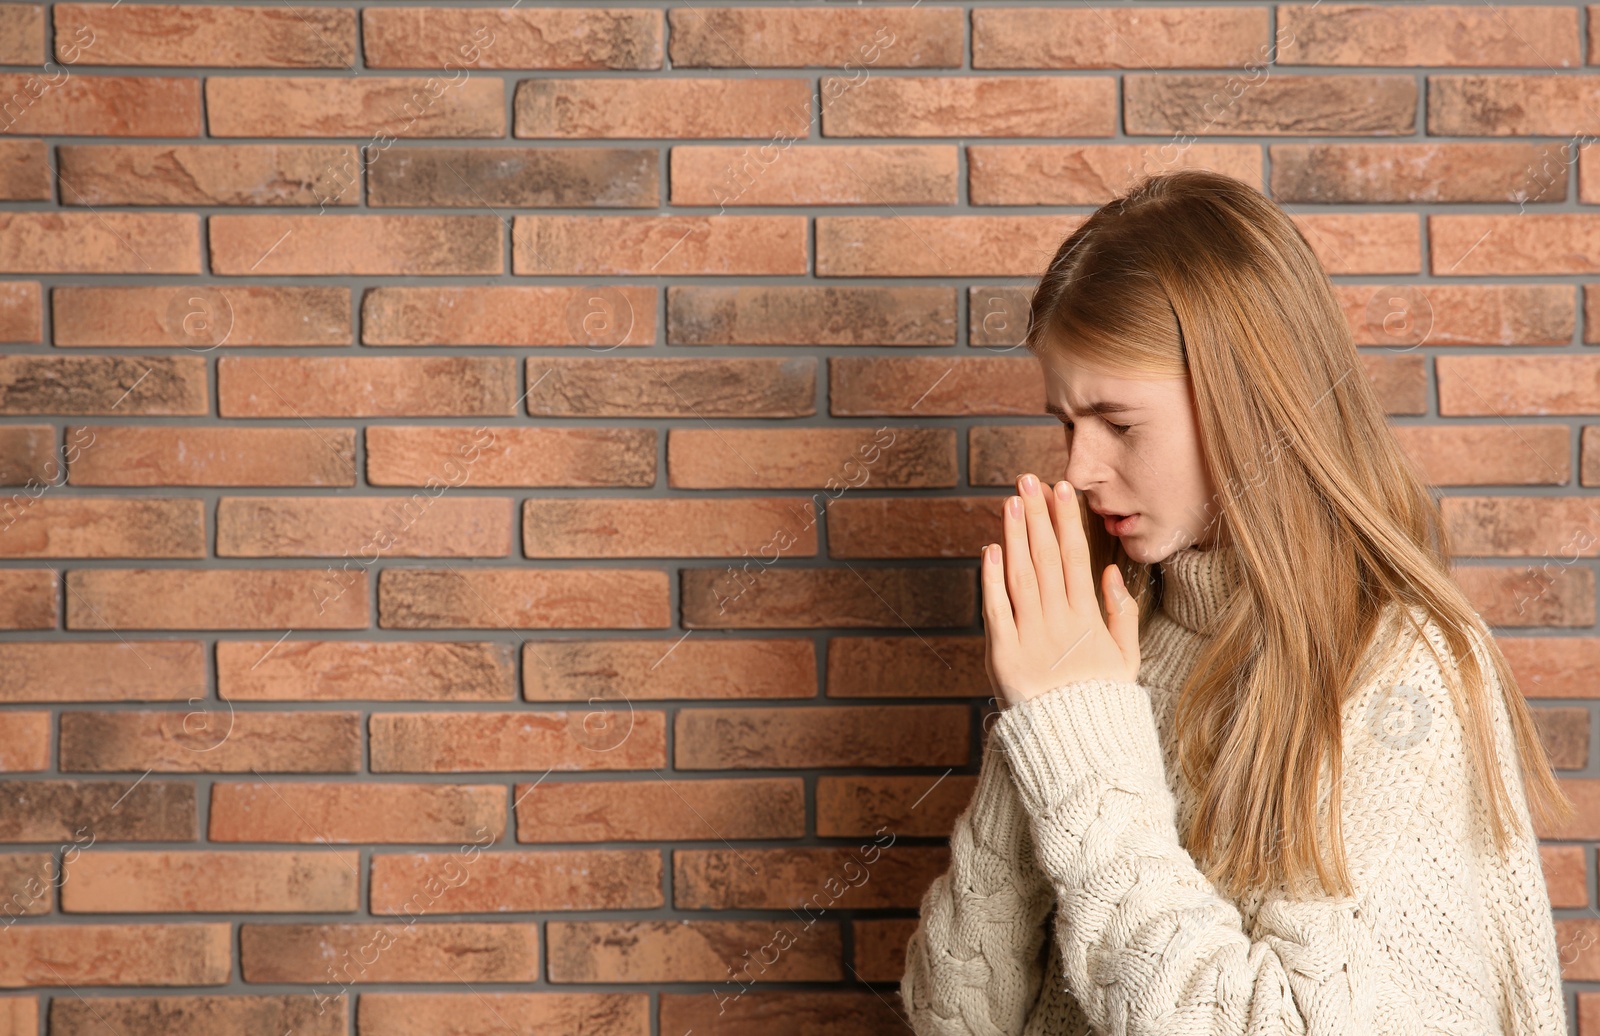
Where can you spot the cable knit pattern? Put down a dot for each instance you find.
(1071, 905)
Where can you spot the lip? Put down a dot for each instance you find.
(1122, 526)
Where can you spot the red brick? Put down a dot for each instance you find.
(24, 164)
(507, 315)
(330, 244)
(769, 879)
(1476, 454)
(29, 599)
(783, 174)
(1436, 171)
(512, 456)
(162, 455)
(201, 316)
(938, 246)
(367, 386)
(855, 807)
(424, 1014)
(385, 107)
(880, 946)
(1511, 105)
(1517, 243)
(1378, 242)
(688, 951)
(118, 385)
(602, 670)
(470, 882)
(87, 527)
(458, 952)
(522, 598)
(219, 598)
(211, 35)
(419, 525)
(117, 955)
(304, 1014)
(1442, 34)
(1154, 38)
(19, 1015)
(672, 108)
(62, 104)
(741, 598)
(24, 741)
(519, 39)
(102, 670)
(845, 1013)
(305, 811)
(21, 43)
(83, 812)
(211, 738)
(339, 670)
(764, 529)
(107, 881)
(825, 458)
(923, 386)
(784, 737)
(21, 315)
(208, 174)
(520, 177)
(99, 242)
(1405, 316)
(1162, 103)
(800, 37)
(1091, 174)
(1506, 386)
(516, 741)
(659, 245)
(660, 810)
(809, 315)
(968, 106)
(649, 386)
(941, 527)
(27, 457)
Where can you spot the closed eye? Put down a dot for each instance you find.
(1120, 429)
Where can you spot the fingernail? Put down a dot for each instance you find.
(1014, 505)
(1030, 484)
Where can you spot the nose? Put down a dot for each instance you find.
(1086, 461)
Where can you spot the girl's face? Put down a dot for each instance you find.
(1133, 449)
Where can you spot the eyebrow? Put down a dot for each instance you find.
(1095, 409)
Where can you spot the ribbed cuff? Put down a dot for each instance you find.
(998, 820)
(1086, 728)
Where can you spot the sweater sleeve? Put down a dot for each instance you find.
(1147, 942)
(976, 960)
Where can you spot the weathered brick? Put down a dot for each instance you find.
(781, 737)
(105, 881)
(27, 888)
(28, 457)
(1517, 243)
(663, 108)
(514, 741)
(24, 741)
(996, 455)
(1511, 105)
(468, 882)
(642, 670)
(29, 599)
(211, 34)
(774, 879)
(21, 315)
(337, 244)
(659, 245)
(339, 670)
(1530, 595)
(1479, 455)
(783, 174)
(306, 811)
(1510, 386)
(367, 386)
(88, 811)
(1521, 526)
(441, 952)
(1092, 174)
(845, 1013)
(512, 456)
(421, 1014)
(1440, 34)
(218, 598)
(1157, 37)
(102, 670)
(1344, 105)
(855, 807)
(687, 951)
(24, 164)
(800, 37)
(922, 386)
(1564, 734)
(99, 242)
(161, 455)
(907, 667)
(21, 38)
(211, 738)
(305, 1014)
(1552, 667)
(1363, 243)
(715, 598)
(201, 316)
(85, 527)
(419, 525)
(521, 598)
(582, 528)
(1437, 171)
(384, 107)
(117, 955)
(880, 945)
(969, 106)
(509, 315)
(520, 177)
(806, 315)
(884, 457)
(103, 385)
(938, 246)
(62, 104)
(207, 174)
(527, 38)
(620, 386)
(940, 527)
(660, 810)
(1405, 316)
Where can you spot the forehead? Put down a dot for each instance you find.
(1078, 389)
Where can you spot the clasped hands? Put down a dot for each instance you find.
(1043, 621)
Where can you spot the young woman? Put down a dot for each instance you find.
(1272, 775)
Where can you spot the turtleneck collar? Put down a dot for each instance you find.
(1198, 584)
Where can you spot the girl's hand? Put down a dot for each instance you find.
(1043, 620)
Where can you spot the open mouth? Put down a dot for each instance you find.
(1120, 524)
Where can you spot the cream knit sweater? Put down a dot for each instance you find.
(1071, 906)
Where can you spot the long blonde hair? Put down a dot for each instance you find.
(1193, 273)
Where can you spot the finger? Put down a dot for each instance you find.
(1122, 615)
(1022, 582)
(1075, 545)
(997, 620)
(1044, 548)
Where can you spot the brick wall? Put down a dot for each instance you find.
(493, 494)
